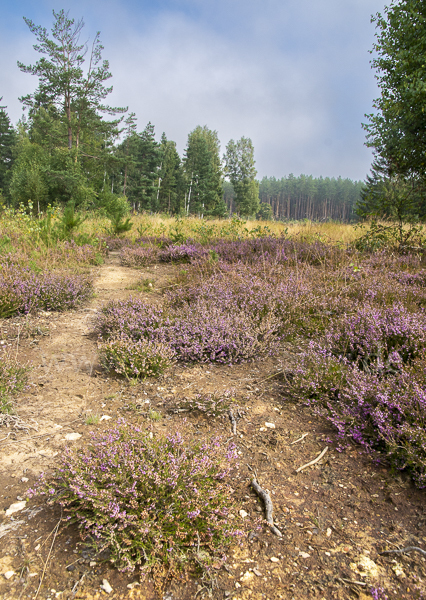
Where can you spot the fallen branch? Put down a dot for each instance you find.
(233, 422)
(313, 462)
(269, 509)
(407, 549)
(300, 439)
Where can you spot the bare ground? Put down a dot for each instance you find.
(336, 517)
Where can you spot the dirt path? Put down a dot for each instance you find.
(336, 517)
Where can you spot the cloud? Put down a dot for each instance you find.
(292, 75)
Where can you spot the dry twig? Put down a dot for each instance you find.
(313, 462)
(55, 529)
(300, 439)
(407, 549)
(233, 422)
(269, 509)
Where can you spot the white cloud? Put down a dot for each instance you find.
(291, 74)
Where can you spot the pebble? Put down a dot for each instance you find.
(304, 554)
(9, 574)
(243, 514)
(133, 585)
(70, 437)
(258, 573)
(24, 479)
(274, 559)
(13, 508)
(105, 418)
(270, 425)
(106, 586)
(328, 532)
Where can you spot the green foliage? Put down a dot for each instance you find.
(265, 212)
(135, 359)
(117, 207)
(13, 379)
(7, 140)
(396, 130)
(239, 166)
(29, 175)
(69, 221)
(203, 173)
(399, 237)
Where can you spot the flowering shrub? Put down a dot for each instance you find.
(182, 254)
(22, 290)
(13, 379)
(133, 318)
(386, 414)
(138, 256)
(141, 358)
(147, 499)
(206, 331)
(383, 336)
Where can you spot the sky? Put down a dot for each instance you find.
(292, 75)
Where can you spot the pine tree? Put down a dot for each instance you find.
(239, 166)
(203, 172)
(7, 140)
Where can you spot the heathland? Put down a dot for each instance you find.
(160, 389)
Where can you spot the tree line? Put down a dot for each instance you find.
(72, 147)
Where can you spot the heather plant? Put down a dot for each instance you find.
(13, 379)
(135, 359)
(22, 290)
(149, 500)
(132, 318)
(379, 338)
(182, 254)
(385, 414)
(139, 256)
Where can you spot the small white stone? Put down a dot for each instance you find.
(133, 585)
(24, 479)
(9, 574)
(262, 429)
(270, 425)
(106, 586)
(71, 437)
(274, 559)
(304, 554)
(237, 585)
(243, 514)
(105, 418)
(328, 532)
(93, 563)
(13, 508)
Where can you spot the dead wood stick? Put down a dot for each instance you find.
(350, 581)
(31, 437)
(48, 556)
(407, 549)
(269, 509)
(300, 439)
(313, 462)
(233, 422)
(269, 377)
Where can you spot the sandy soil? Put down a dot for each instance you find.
(336, 517)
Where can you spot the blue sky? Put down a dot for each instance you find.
(293, 75)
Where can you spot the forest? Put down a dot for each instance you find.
(69, 146)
